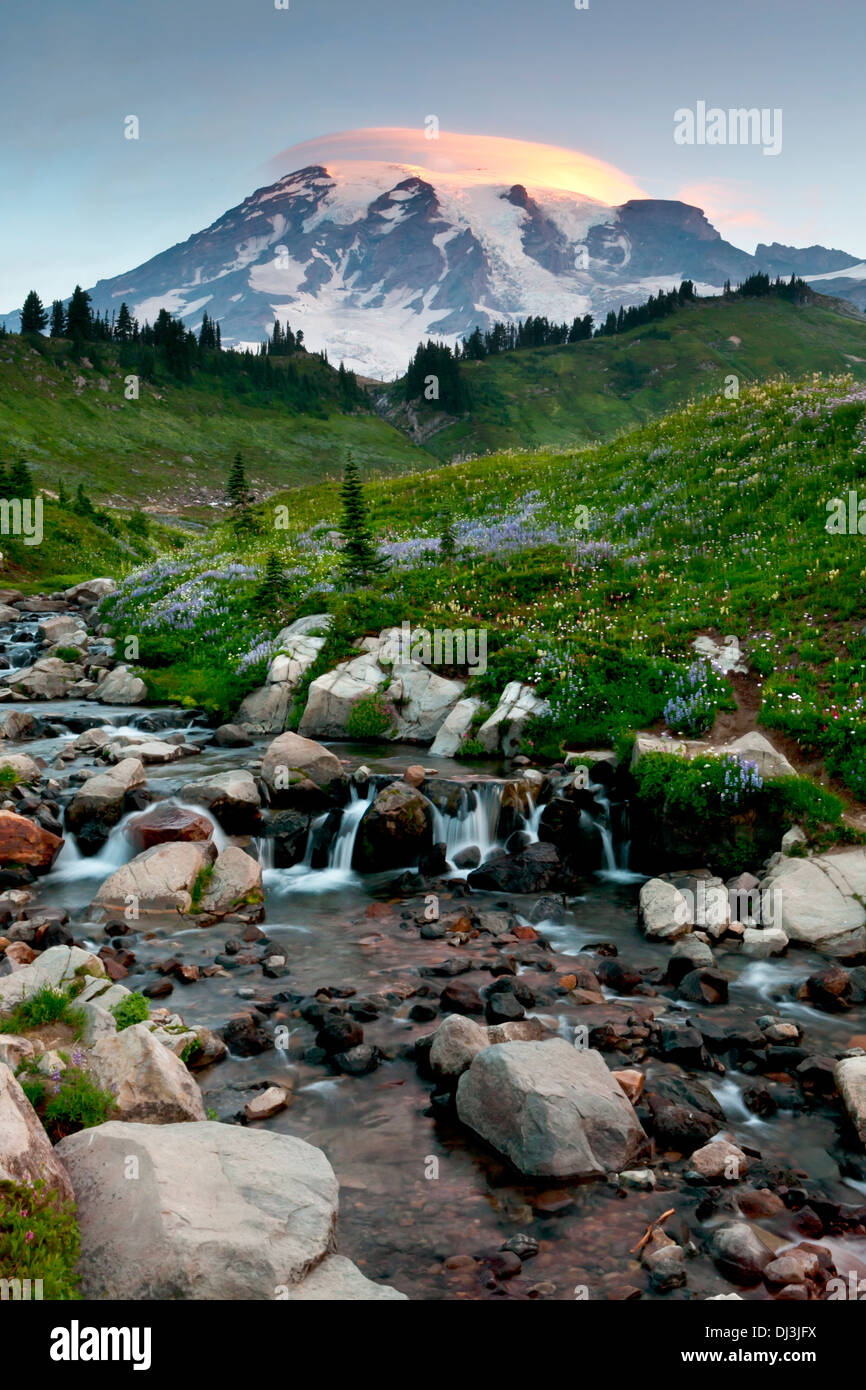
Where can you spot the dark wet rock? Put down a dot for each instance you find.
(759, 1099)
(459, 997)
(166, 822)
(433, 863)
(617, 976)
(525, 1247)
(433, 931)
(704, 987)
(828, 989)
(533, 870)
(468, 858)
(548, 909)
(289, 831)
(158, 990)
(817, 1075)
(339, 1033)
(453, 965)
(681, 1042)
(739, 1254)
(423, 1011)
(357, 1061)
(685, 1114)
(725, 1035)
(503, 1008)
(244, 1036)
(577, 839)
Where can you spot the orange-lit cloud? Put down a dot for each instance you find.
(467, 159)
(734, 208)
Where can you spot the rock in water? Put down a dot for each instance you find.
(552, 1109)
(851, 1081)
(218, 1212)
(395, 831)
(22, 841)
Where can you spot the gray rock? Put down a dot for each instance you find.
(25, 1149)
(216, 1211)
(552, 1109)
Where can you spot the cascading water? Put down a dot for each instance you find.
(473, 825)
(338, 871)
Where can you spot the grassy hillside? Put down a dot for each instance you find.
(172, 448)
(589, 391)
(592, 570)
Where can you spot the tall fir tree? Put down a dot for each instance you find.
(33, 315)
(448, 539)
(236, 488)
(360, 559)
(270, 595)
(57, 328)
(20, 479)
(123, 328)
(79, 320)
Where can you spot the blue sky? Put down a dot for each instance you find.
(220, 86)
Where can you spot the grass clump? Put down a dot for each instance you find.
(133, 1008)
(45, 1005)
(39, 1240)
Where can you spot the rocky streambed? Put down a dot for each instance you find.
(532, 1073)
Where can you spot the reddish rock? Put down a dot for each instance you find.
(165, 823)
(20, 953)
(24, 842)
(414, 775)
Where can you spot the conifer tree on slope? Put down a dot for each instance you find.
(360, 559)
(33, 315)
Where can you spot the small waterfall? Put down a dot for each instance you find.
(338, 870)
(615, 868)
(474, 823)
(343, 844)
(532, 819)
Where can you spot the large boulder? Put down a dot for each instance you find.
(218, 1212)
(121, 687)
(23, 841)
(665, 913)
(159, 881)
(17, 723)
(291, 760)
(232, 797)
(58, 967)
(297, 647)
(90, 591)
(25, 1149)
(455, 728)
(421, 698)
(49, 678)
(332, 697)
(395, 830)
(554, 1110)
(149, 1083)
(504, 729)
(21, 766)
(851, 1083)
(819, 902)
(236, 882)
(98, 805)
(166, 823)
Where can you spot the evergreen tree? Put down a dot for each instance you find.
(236, 488)
(138, 525)
(58, 319)
(123, 328)
(62, 494)
(360, 559)
(20, 480)
(82, 506)
(79, 320)
(448, 539)
(271, 593)
(33, 315)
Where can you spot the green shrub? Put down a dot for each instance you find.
(371, 717)
(8, 776)
(68, 653)
(39, 1238)
(46, 1005)
(133, 1008)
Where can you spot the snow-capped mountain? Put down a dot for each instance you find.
(368, 257)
